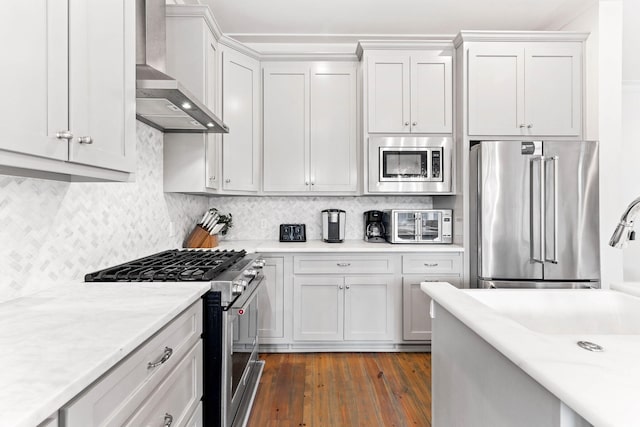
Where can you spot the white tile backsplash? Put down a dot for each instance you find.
(54, 231)
(260, 217)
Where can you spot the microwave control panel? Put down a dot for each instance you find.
(436, 164)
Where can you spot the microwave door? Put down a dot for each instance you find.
(406, 229)
(430, 226)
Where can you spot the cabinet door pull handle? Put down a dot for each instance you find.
(426, 264)
(228, 180)
(64, 134)
(406, 123)
(168, 420)
(523, 126)
(165, 356)
(343, 264)
(85, 140)
(414, 124)
(529, 126)
(339, 286)
(348, 286)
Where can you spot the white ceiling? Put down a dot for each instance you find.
(389, 17)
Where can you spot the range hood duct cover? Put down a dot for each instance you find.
(161, 101)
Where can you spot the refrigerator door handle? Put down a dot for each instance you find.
(554, 161)
(541, 210)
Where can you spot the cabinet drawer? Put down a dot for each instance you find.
(343, 265)
(175, 400)
(116, 395)
(431, 263)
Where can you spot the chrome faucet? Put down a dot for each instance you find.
(624, 230)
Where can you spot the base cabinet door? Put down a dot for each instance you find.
(416, 322)
(368, 308)
(271, 302)
(318, 308)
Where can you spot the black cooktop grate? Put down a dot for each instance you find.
(170, 266)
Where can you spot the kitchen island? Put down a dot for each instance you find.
(511, 357)
(57, 342)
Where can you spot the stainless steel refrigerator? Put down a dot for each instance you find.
(534, 214)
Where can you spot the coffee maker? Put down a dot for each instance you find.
(373, 227)
(333, 222)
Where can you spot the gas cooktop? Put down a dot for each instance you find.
(176, 265)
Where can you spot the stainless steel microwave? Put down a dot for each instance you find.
(402, 164)
(418, 225)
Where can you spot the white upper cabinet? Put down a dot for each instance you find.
(310, 118)
(410, 92)
(192, 161)
(431, 94)
(525, 88)
(101, 76)
(286, 125)
(241, 112)
(34, 71)
(70, 79)
(333, 118)
(389, 93)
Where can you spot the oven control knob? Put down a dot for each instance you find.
(238, 286)
(250, 272)
(259, 263)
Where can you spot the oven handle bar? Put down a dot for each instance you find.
(242, 303)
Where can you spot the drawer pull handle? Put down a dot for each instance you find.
(343, 264)
(165, 356)
(168, 420)
(426, 264)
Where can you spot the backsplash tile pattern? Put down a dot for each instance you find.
(52, 231)
(259, 217)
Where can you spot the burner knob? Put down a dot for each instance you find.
(259, 263)
(238, 286)
(250, 272)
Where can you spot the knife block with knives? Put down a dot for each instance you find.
(205, 233)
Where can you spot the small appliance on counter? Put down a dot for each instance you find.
(333, 223)
(418, 225)
(373, 227)
(293, 233)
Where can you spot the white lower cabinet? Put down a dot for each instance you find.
(416, 320)
(339, 308)
(196, 418)
(271, 302)
(175, 400)
(161, 380)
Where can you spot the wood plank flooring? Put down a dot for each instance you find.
(344, 390)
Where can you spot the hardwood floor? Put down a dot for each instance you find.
(344, 390)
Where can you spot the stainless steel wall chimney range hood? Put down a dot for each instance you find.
(161, 101)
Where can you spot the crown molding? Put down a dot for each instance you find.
(199, 11)
(519, 36)
(436, 42)
(240, 47)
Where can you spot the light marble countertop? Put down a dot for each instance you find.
(274, 246)
(600, 387)
(57, 342)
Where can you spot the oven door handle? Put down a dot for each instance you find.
(241, 305)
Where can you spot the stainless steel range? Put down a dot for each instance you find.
(230, 331)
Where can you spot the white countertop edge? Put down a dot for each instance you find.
(319, 246)
(631, 288)
(530, 353)
(51, 404)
